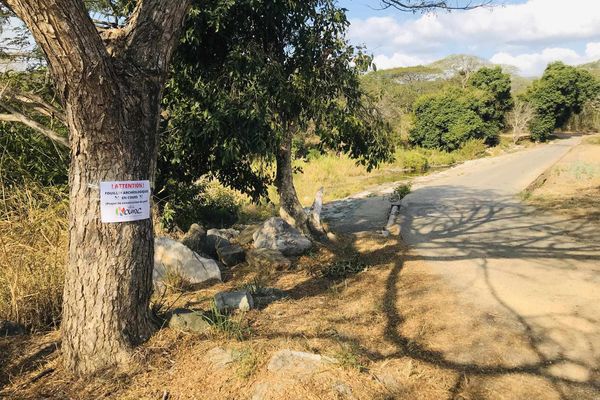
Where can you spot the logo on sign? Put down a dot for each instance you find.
(123, 212)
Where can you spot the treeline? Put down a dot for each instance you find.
(445, 110)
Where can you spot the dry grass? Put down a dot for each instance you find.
(33, 239)
(341, 177)
(395, 331)
(572, 186)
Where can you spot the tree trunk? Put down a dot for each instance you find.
(111, 86)
(109, 274)
(290, 208)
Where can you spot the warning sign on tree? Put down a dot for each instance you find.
(124, 201)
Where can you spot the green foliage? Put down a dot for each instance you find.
(226, 324)
(448, 119)
(204, 201)
(412, 160)
(472, 149)
(395, 91)
(561, 92)
(400, 192)
(25, 154)
(247, 73)
(344, 268)
(498, 84)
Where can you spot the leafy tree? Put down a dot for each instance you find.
(251, 75)
(448, 119)
(498, 84)
(561, 92)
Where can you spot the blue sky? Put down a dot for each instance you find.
(525, 33)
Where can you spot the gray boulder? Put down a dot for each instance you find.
(231, 255)
(276, 234)
(228, 234)
(241, 300)
(194, 238)
(186, 320)
(267, 259)
(216, 238)
(174, 257)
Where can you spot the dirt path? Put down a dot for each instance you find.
(537, 272)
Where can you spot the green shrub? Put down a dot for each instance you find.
(344, 268)
(438, 158)
(206, 202)
(472, 149)
(400, 192)
(448, 119)
(413, 160)
(226, 324)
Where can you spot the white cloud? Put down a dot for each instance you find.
(592, 50)
(399, 60)
(526, 34)
(534, 63)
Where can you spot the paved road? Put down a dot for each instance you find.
(469, 226)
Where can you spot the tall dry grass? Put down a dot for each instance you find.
(33, 241)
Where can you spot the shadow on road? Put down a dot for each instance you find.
(539, 272)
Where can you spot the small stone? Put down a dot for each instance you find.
(219, 357)
(231, 255)
(194, 238)
(343, 389)
(241, 300)
(267, 259)
(276, 234)
(297, 362)
(9, 328)
(388, 380)
(228, 234)
(186, 320)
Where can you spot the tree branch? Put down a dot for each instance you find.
(68, 37)
(430, 5)
(38, 104)
(152, 32)
(16, 116)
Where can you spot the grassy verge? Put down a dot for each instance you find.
(33, 240)
(341, 177)
(572, 186)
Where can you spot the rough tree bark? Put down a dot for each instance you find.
(290, 208)
(111, 87)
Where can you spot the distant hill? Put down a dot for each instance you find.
(445, 69)
(593, 67)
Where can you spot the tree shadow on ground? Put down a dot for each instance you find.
(466, 226)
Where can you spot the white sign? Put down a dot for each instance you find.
(124, 201)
